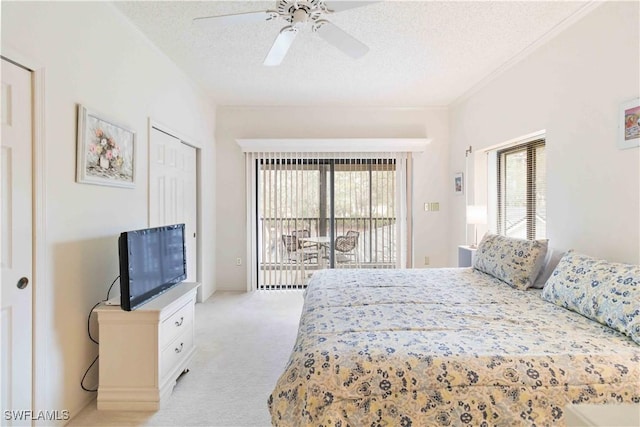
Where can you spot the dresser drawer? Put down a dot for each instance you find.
(176, 351)
(175, 324)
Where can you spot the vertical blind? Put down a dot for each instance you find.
(312, 211)
(521, 192)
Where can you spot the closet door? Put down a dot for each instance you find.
(172, 190)
(16, 297)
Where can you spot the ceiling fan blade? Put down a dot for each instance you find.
(236, 18)
(343, 41)
(280, 46)
(339, 6)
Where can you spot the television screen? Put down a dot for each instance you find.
(152, 260)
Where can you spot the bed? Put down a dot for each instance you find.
(440, 347)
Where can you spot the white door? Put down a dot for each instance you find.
(15, 253)
(172, 190)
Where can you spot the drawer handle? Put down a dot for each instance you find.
(179, 323)
(179, 350)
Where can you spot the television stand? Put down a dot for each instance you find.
(144, 351)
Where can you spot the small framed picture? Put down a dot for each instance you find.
(629, 124)
(106, 151)
(458, 183)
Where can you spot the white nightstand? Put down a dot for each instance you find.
(602, 415)
(466, 254)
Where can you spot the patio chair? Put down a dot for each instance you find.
(346, 248)
(294, 250)
(354, 234)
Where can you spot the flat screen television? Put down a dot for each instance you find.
(152, 260)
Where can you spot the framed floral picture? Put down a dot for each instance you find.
(629, 124)
(458, 183)
(106, 151)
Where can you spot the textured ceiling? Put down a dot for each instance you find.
(422, 53)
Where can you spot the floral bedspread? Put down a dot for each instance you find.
(444, 347)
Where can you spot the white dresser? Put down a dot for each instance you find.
(144, 351)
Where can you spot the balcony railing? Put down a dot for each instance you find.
(375, 247)
(376, 241)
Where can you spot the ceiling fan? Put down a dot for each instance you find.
(299, 13)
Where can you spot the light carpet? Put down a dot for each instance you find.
(243, 342)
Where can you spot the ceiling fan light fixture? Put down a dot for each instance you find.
(300, 18)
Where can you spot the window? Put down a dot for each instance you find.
(521, 191)
(326, 203)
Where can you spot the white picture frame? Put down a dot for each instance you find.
(106, 151)
(629, 124)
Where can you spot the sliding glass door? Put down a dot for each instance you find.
(323, 212)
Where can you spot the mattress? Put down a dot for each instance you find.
(440, 347)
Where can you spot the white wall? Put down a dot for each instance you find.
(92, 55)
(572, 86)
(430, 175)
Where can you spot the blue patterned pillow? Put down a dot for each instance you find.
(606, 292)
(514, 261)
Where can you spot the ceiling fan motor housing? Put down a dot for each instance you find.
(299, 12)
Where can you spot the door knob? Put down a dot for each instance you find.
(22, 283)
